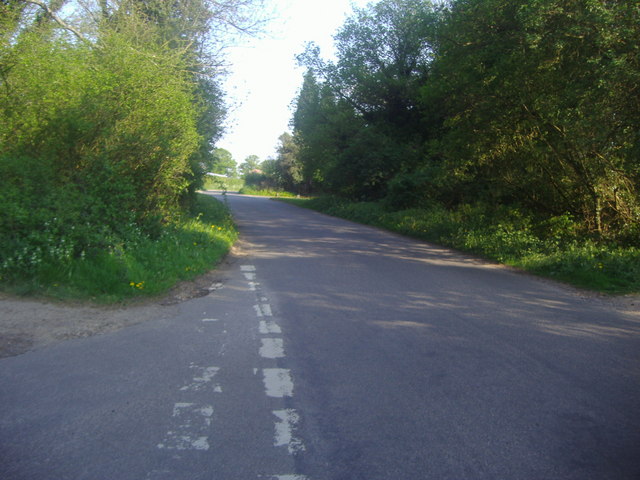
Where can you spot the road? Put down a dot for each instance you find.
(335, 351)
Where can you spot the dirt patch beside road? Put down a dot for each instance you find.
(28, 324)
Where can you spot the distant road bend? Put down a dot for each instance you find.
(336, 351)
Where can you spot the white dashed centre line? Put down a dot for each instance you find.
(263, 310)
(288, 421)
(272, 348)
(268, 327)
(278, 382)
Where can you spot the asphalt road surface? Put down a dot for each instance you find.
(335, 351)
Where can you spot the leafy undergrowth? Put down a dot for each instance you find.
(551, 248)
(139, 266)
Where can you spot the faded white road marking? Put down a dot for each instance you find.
(278, 382)
(268, 326)
(206, 320)
(203, 379)
(253, 286)
(215, 286)
(288, 421)
(192, 423)
(248, 271)
(263, 310)
(271, 348)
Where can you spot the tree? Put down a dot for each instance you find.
(285, 170)
(251, 164)
(538, 106)
(186, 26)
(529, 104)
(224, 164)
(371, 94)
(101, 138)
(310, 126)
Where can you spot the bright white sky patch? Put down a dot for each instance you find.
(264, 76)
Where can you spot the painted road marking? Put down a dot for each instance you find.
(277, 382)
(207, 320)
(284, 428)
(263, 310)
(191, 428)
(248, 271)
(268, 327)
(203, 379)
(272, 348)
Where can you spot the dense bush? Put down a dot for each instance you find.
(97, 141)
(525, 104)
(141, 265)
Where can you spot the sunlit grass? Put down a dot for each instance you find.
(604, 269)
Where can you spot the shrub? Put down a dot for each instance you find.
(95, 144)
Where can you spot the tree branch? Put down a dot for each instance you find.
(59, 21)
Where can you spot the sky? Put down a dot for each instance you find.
(265, 78)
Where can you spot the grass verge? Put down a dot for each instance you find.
(142, 266)
(549, 248)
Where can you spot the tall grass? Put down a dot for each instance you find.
(133, 267)
(551, 247)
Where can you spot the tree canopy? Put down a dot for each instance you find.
(110, 111)
(223, 163)
(529, 104)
